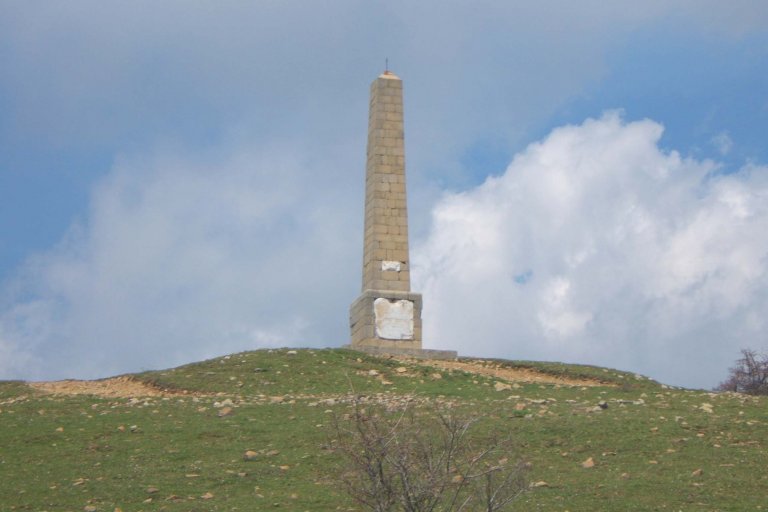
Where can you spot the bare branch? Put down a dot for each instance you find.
(421, 462)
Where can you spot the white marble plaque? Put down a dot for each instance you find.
(390, 266)
(393, 318)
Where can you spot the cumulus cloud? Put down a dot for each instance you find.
(597, 246)
(178, 258)
(182, 259)
(594, 246)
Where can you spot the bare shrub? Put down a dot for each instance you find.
(434, 461)
(750, 375)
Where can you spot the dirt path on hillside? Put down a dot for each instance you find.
(116, 387)
(491, 369)
(126, 387)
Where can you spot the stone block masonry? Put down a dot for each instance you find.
(386, 318)
(386, 264)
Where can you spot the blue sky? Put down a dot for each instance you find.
(185, 179)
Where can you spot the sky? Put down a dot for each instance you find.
(588, 181)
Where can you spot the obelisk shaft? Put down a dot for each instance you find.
(387, 315)
(386, 264)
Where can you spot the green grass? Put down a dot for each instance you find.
(63, 453)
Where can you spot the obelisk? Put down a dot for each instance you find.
(387, 315)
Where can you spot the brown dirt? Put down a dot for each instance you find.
(116, 387)
(507, 374)
(126, 387)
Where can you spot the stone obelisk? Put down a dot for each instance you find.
(387, 315)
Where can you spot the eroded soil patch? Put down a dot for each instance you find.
(127, 387)
(116, 387)
(508, 374)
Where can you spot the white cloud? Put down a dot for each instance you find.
(182, 258)
(596, 246)
(185, 259)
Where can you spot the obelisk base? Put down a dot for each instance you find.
(386, 319)
(389, 322)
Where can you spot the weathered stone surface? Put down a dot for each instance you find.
(393, 319)
(386, 318)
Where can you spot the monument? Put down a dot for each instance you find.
(386, 318)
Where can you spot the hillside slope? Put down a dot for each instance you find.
(175, 439)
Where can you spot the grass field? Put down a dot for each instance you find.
(653, 447)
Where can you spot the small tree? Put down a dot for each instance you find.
(750, 375)
(433, 462)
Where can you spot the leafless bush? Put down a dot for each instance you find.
(429, 462)
(750, 375)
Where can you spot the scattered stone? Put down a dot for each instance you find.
(697, 472)
(250, 455)
(152, 490)
(224, 403)
(706, 407)
(436, 376)
(225, 411)
(60, 429)
(207, 496)
(540, 483)
(89, 508)
(501, 386)
(519, 406)
(602, 404)
(134, 428)
(373, 373)
(291, 352)
(401, 369)
(589, 463)
(625, 476)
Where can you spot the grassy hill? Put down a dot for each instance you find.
(175, 439)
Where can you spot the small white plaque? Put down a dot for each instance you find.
(391, 266)
(393, 318)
